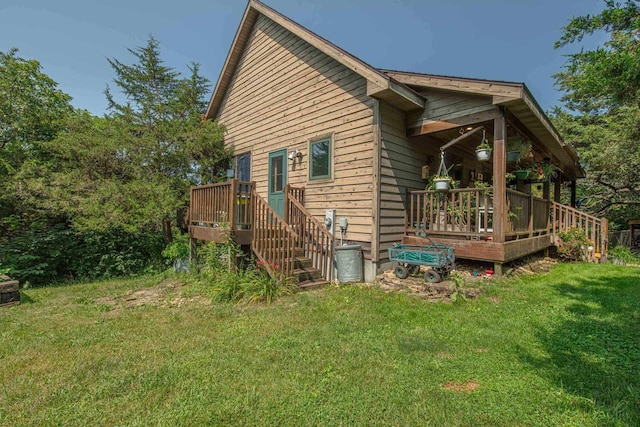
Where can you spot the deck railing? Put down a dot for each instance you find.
(273, 239)
(225, 203)
(596, 229)
(465, 211)
(313, 238)
(527, 215)
(469, 212)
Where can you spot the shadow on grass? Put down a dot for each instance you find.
(593, 350)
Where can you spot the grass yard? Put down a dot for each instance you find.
(556, 349)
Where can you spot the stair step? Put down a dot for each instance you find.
(312, 284)
(304, 263)
(301, 275)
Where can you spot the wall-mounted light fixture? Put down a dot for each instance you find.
(295, 153)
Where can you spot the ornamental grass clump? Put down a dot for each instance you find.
(225, 282)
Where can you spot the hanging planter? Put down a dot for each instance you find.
(483, 154)
(517, 148)
(513, 156)
(521, 174)
(483, 150)
(442, 184)
(442, 180)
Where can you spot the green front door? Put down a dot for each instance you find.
(277, 180)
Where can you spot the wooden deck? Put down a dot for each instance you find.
(464, 219)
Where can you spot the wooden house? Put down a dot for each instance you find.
(315, 129)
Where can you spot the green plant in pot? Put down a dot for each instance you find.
(541, 172)
(442, 182)
(483, 152)
(517, 148)
(521, 174)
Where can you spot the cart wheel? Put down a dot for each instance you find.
(414, 269)
(401, 271)
(432, 276)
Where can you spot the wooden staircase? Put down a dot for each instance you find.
(297, 246)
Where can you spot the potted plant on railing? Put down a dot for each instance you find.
(517, 148)
(541, 172)
(521, 174)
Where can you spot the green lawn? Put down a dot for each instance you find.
(556, 349)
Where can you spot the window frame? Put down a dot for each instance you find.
(312, 142)
(236, 163)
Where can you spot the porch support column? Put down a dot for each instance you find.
(556, 189)
(573, 194)
(546, 190)
(499, 179)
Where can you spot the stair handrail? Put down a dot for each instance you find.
(596, 229)
(269, 227)
(315, 240)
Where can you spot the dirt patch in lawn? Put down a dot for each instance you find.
(166, 293)
(473, 274)
(467, 387)
(415, 285)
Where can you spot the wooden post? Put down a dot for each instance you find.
(232, 204)
(531, 213)
(573, 194)
(193, 253)
(499, 180)
(557, 189)
(546, 190)
(497, 269)
(287, 188)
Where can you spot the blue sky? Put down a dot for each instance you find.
(508, 40)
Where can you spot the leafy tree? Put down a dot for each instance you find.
(133, 167)
(32, 109)
(609, 75)
(170, 144)
(602, 89)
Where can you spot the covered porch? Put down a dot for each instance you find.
(490, 214)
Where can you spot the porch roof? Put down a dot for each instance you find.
(518, 101)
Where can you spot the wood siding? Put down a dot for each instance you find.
(442, 106)
(400, 172)
(285, 93)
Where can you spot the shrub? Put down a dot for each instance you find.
(42, 253)
(624, 254)
(574, 244)
(178, 248)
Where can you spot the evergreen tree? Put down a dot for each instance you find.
(602, 89)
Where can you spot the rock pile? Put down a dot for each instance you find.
(9, 291)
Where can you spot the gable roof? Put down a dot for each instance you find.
(379, 84)
(397, 87)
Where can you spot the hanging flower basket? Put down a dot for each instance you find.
(521, 174)
(513, 156)
(442, 184)
(442, 180)
(483, 154)
(483, 150)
